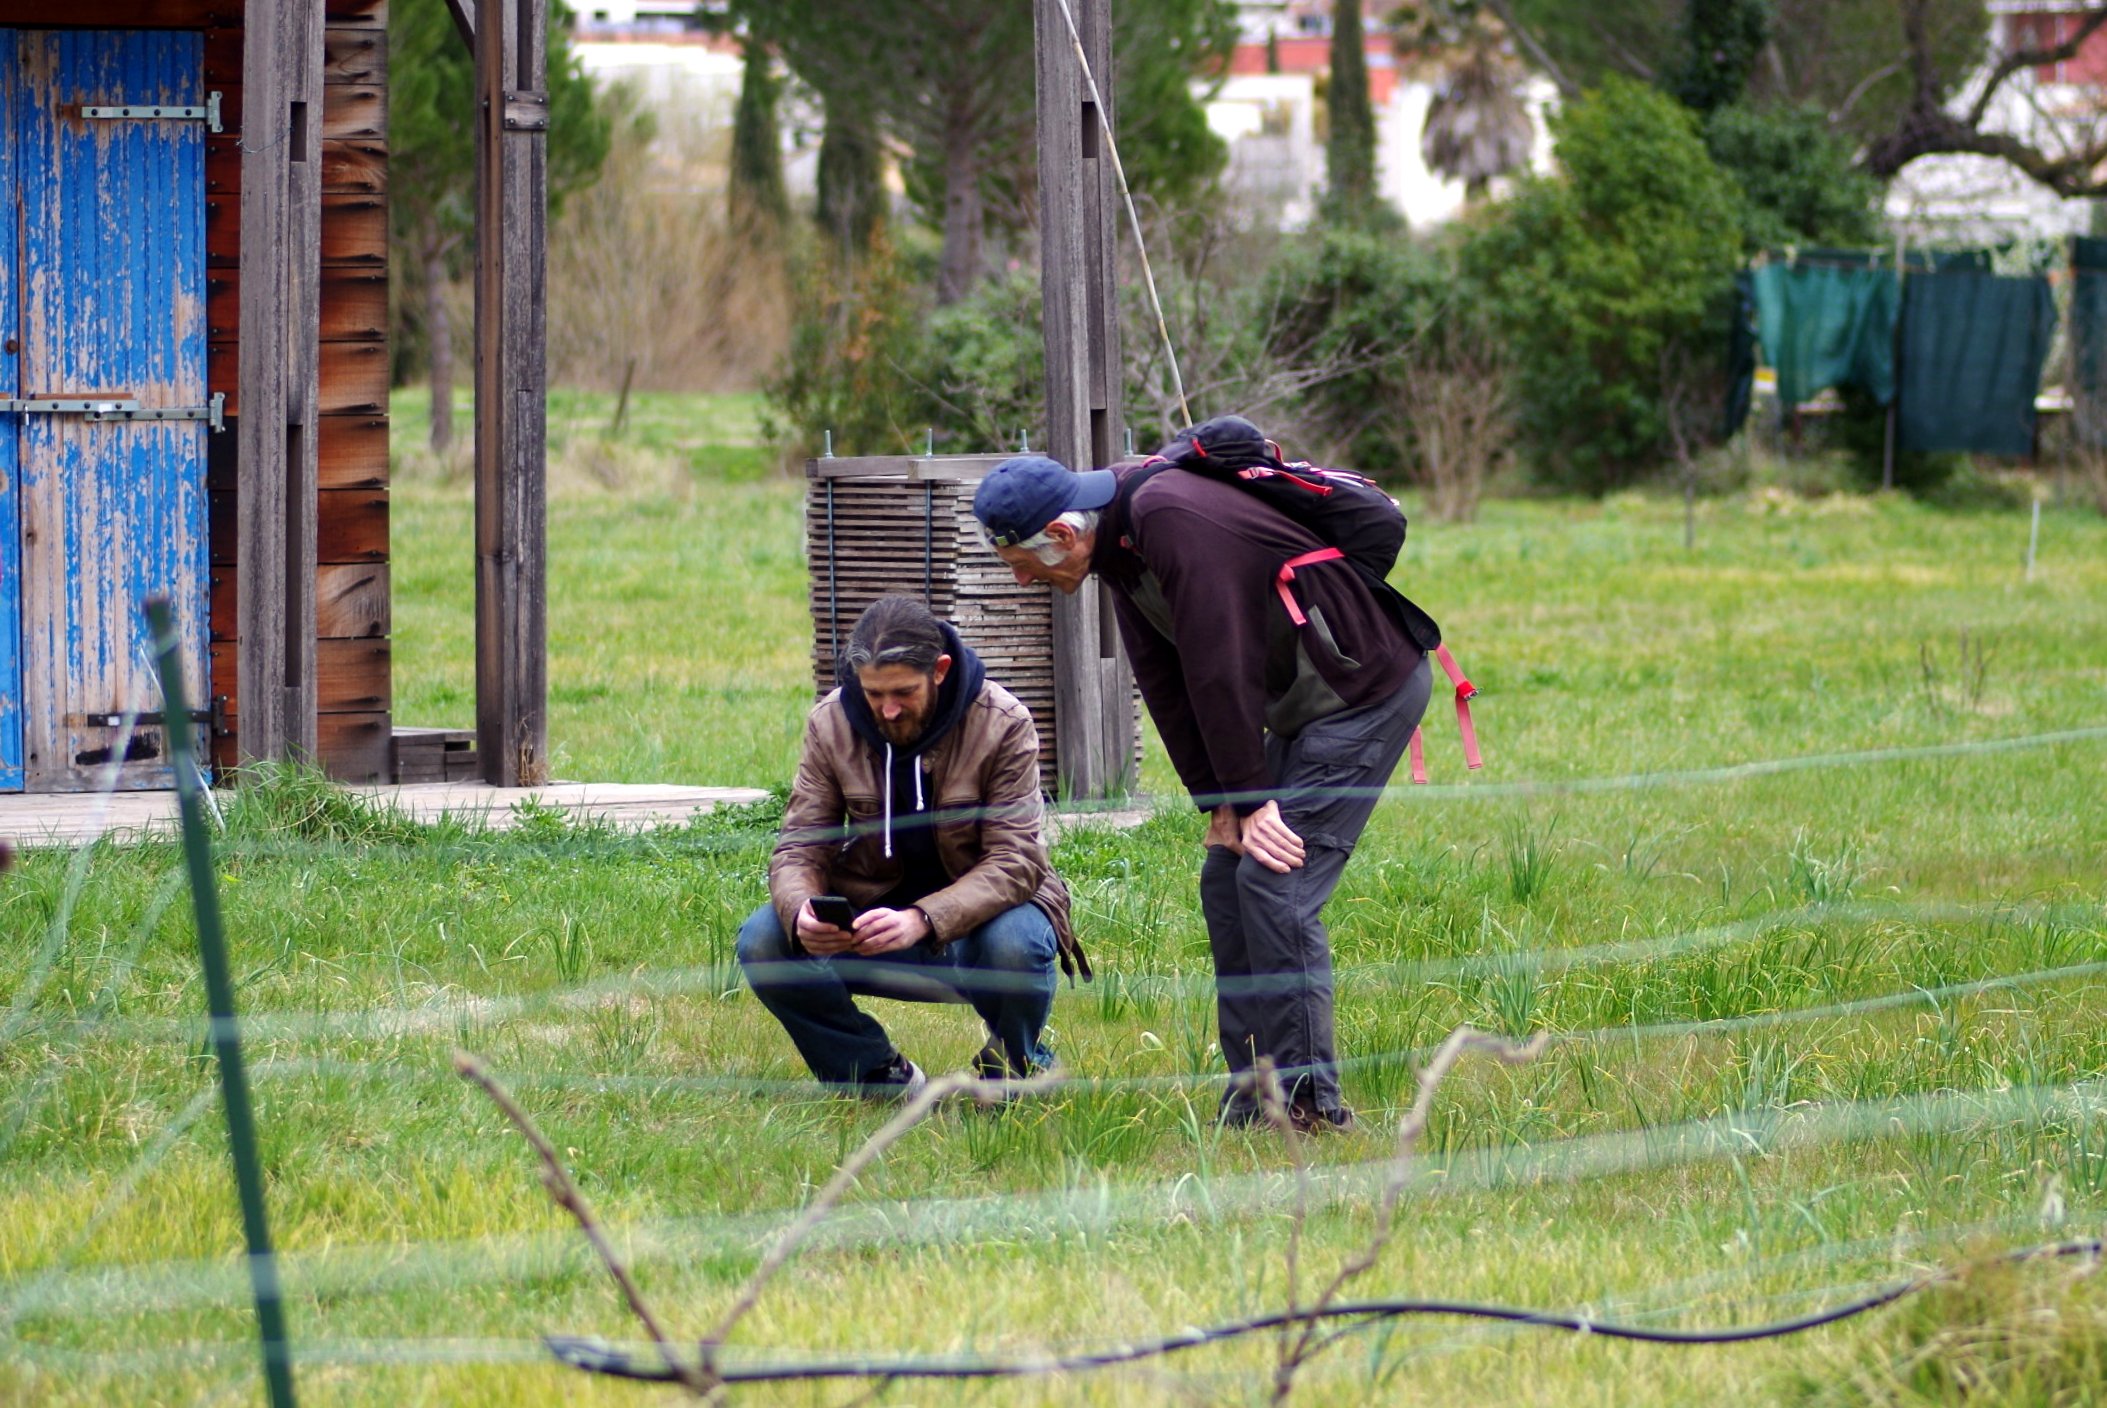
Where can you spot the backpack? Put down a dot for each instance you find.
(1347, 512)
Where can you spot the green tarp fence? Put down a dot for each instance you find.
(1828, 324)
(1956, 349)
(2088, 339)
(1972, 349)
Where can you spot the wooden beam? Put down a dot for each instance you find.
(512, 723)
(464, 21)
(278, 370)
(1093, 685)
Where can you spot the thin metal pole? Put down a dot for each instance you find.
(219, 1001)
(2033, 539)
(833, 587)
(1887, 449)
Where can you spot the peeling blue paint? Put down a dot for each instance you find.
(108, 290)
(10, 436)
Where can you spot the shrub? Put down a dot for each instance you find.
(1345, 306)
(849, 366)
(1798, 184)
(1610, 283)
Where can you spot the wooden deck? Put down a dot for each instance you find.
(67, 819)
(70, 818)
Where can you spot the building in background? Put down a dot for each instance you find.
(1267, 109)
(1976, 200)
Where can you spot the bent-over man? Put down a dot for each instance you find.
(917, 800)
(1283, 729)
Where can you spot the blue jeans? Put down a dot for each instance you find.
(1004, 969)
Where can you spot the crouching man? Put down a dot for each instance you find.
(917, 801)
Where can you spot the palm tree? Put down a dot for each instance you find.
(1477, 125)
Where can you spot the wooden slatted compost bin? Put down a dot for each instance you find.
(900, 523)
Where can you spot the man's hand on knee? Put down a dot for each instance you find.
(889, 930)
(821, 940)
(1270, 841)
(1225, 828)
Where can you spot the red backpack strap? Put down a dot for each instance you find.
(1465, 691)
(1287, 575)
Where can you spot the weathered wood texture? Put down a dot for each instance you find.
(1078, 251)
(351, 599)
(103, 247)
(177, 14)
(344, 441)
(512, 731)
(280, 207)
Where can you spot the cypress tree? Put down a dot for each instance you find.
(1721, 40)
(758, 195)
(852, 197)
(1350, 152)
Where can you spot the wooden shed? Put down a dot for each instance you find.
(194, 377)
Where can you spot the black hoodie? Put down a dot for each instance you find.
(908, 834)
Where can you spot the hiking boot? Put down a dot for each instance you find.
(897, 1079)
(1306, 1118)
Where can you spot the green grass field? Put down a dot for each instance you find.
(1823, 1026)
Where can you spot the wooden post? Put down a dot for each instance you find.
(1078, 278)
(281, 256)
(512, 725)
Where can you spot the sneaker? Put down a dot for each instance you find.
(897, 1079)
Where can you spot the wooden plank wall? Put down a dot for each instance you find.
(352, 590)
(352, 662)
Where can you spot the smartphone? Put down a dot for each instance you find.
(833, 909)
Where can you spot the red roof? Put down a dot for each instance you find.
(1313, 54)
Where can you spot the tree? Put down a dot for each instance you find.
(1900, 79)
(431, 167)
(952, 81)
(758, 198)
(1721, 41)
(852, 197)
(1608, 282)
(1349, 152)
(1797, 180)
(1477, 126)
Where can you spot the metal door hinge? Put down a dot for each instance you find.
(147, 112)
(120, 408)
(215, 718)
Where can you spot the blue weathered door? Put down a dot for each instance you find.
(103, 292)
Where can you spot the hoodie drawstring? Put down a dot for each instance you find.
(889, 801)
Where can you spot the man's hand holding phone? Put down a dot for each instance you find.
(825, 925)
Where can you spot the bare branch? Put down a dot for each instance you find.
(1409, 1130)
(1567, 88)
(557, 1179)
(912, 1114)
(1639, 68)
(1864, 86)
(2018, 59)
(1917, 41)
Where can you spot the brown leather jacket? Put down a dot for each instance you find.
(984, 778)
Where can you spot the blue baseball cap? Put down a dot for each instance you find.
(1023, 494)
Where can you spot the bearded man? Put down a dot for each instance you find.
(916, 800)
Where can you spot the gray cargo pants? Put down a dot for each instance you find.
(1272, 957)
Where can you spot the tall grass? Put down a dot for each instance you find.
(1823, 1027)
